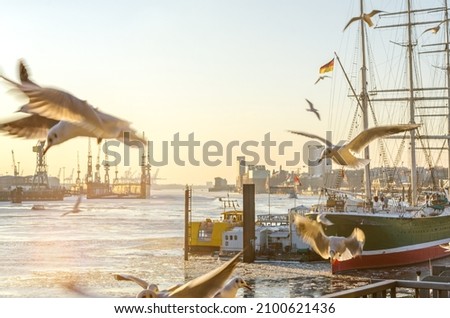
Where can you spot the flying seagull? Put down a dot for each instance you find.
(330, 247)
(434, 29)
(207, 285)
(231, 287)
(149, 290)
(76, 207)
(65, 115)
(312, 109)
(321, 78)
(365, 17)
(343, 154)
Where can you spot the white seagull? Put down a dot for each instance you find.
(312, 109)
(149, 290)
(72, 117)
(433, 29)
(330, 247)
(207, 285)
(366, 17)
(343, 154)
(231, 287)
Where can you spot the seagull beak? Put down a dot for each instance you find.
(248, 287)
(45, 149)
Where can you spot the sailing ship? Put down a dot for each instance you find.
(402, 233)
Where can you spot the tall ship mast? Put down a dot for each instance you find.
(409, 227)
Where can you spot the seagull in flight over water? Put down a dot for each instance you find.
(330, 247)
(366, 17)
(62, 116)
(343, 154)
(205, 286)
(76, 207)
(312, 109)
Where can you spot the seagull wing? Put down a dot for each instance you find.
(57, 104)
(131, 278)
(328, 143)
(312, 233)
(77, 204)
(365, 137)
(373, 12)
(23, 74)
(351, 21)
(433, 29)
(317, 113)
(355, 242)
(31, 126)
(311, 106)
(208, 284)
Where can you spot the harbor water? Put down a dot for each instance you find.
(41, 251)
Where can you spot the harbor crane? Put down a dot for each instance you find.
(16, 168)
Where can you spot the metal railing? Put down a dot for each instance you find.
(389, 289)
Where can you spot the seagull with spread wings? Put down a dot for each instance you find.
(366, 17)
(344, 154)
(312, 109)
(330, 247)
(433, 29)
(62, 116)
(205, 286)
(322, 77)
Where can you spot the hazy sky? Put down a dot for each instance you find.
(227, 72)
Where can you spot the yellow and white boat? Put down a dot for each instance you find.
(206, 236)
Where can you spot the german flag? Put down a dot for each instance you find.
(327, 67)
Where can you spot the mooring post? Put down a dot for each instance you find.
(249, 223)
(187, 219)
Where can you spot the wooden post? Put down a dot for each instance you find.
(187, 213)
(249, 223)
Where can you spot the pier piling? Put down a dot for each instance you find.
(187, 221)
(249, 222)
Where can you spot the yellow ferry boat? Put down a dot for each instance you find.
(206, 236)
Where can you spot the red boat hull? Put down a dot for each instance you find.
(379, 259)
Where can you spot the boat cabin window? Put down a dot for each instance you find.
(204, 235)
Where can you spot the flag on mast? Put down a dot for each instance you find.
(327, 67)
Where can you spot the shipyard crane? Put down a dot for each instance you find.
(15, 167)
